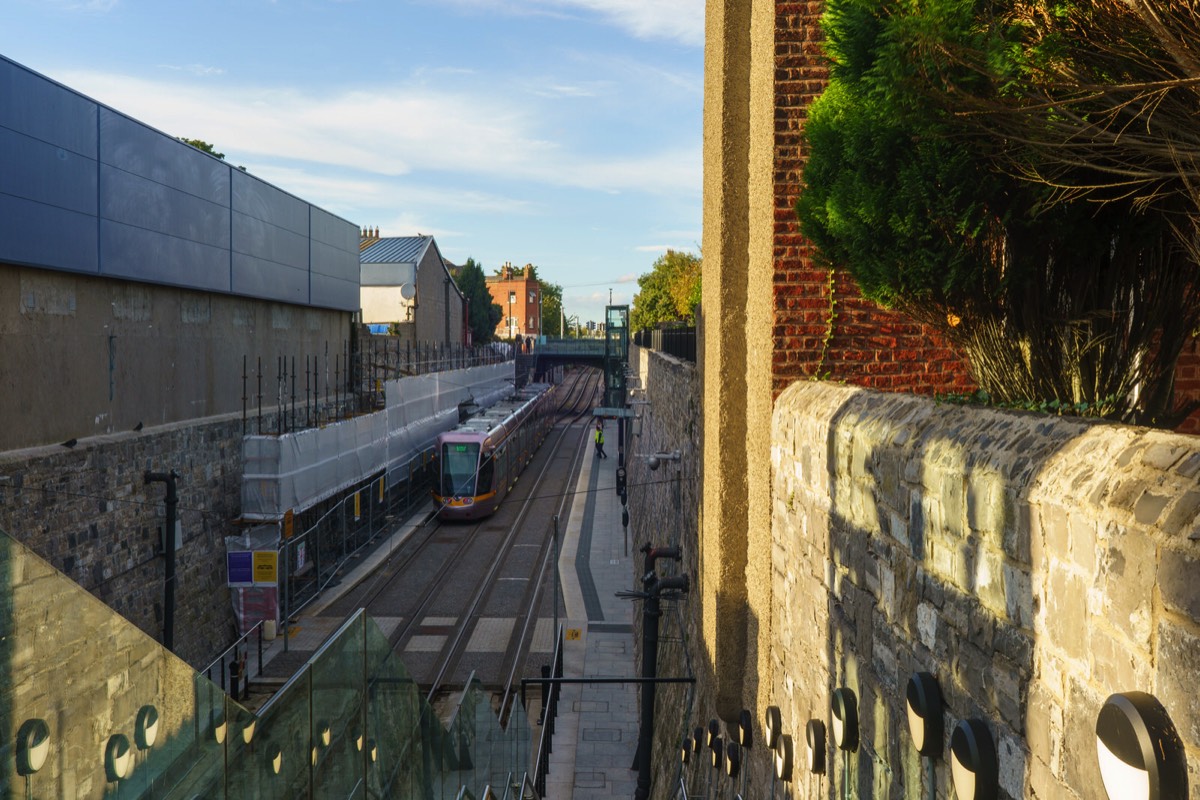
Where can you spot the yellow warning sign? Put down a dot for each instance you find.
(266, 567)
(572, 634)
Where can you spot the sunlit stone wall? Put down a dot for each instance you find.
(1035, 565)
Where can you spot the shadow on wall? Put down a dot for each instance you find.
(1012, 556)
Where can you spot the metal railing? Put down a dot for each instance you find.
(679, 342)
(341, 527)
(236, 654)
(295, 395)
(550, 695)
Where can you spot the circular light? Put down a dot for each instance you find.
(815, 733)
(685, 751)
(357, 736)
(716, 753)
(248, 732)
(783, 758)
(219, 731)
(973, 765)
(845, 719)
(1141, 755)
(745, 728)
(733, 760)
(772, 726)
(33, 745)
(697, 739)
(117, 757)
(714, 728)
(924, 701)
(145, 729)
(373, 750)
(276, 756)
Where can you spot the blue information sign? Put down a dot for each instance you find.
(241, 567)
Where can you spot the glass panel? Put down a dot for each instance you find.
(459, 463)
(337, 708)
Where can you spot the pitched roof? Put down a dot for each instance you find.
(395, 250)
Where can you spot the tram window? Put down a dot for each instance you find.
(486, 470)
(459, 462)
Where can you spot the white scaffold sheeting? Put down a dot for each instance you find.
(297, 470)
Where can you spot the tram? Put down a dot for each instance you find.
(479, 461)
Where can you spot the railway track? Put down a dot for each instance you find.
(458, 599)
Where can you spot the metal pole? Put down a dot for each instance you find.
(172, 500)
(555, 573)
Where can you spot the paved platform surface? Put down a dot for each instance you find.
(596, 736)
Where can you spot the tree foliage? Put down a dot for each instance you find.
(1051, 298)
(205, 147)
(668, 293)
(552, 308)
(483, 315)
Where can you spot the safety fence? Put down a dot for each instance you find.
(677, 342)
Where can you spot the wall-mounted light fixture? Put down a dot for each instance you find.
(1141, 755)
(924, 701)
(372, 750)
(783, 758)
(717, 751)
(655, 460)
(117, 757)
(33, 745)
(145, 727)
(844, 705)
(685, 750)
(219, 730)
(714, 728)
(815, 734)
(324, 733)
(733, 760)
(745, 731)
(697, 739)
(974, 767)
(275, 758)
(357, 735)
(772, 726)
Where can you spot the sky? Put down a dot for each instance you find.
(562, 133)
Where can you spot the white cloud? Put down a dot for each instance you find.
(387, 132)
(201, 70)
(678, 20)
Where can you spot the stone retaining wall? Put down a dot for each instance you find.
(1033, 564)
(88, 511)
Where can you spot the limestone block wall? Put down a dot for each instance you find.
(1033, 564)
(88, 512)
(664, 509)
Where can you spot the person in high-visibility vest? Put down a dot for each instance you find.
(600, 440)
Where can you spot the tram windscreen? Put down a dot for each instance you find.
(460, 461)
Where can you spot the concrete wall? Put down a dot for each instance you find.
(83, 356)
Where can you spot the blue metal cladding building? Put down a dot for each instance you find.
(86, 189)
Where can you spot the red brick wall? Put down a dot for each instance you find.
(1187, 384)
(869, 346)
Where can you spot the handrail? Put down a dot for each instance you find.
(221, 659)
(550, 695)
